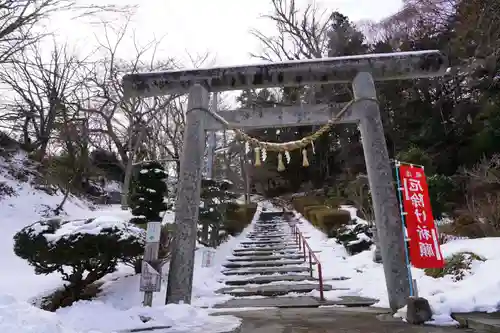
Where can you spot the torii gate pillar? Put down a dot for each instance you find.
(187, 206)
(380, 177)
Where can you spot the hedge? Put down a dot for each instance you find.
(332, 218)
(239, 218)
(309, 210)
(299, 203)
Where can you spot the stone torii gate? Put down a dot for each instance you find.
(360, 70)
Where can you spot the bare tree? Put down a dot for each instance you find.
(125, 121)
(19, 20)
(165, 138)
(483, 193)
(42, 86)
(300, 33)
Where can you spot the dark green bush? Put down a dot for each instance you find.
(82, 251)
(355, 237)
(457, 266)
(442, 190)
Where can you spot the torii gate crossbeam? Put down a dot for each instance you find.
(361, 71)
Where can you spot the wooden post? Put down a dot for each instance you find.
(151, 270)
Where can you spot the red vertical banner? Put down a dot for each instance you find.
(425, 251)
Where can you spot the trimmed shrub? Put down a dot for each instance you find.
(334, 202)
(239, 218)
(299, 203)
(82, 251)
(457, 266)
(315, 216)
(310, 209)
(466, 226)
(332, 218)
(355, 237)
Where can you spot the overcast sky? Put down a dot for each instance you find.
(220, 27)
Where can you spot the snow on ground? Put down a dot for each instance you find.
(477, 292)
(19, 210)
(119, 306)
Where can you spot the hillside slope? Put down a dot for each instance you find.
(118, 307)
(22, 202)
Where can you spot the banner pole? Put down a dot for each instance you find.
(405, 228)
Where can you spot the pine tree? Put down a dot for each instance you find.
(150, 191)
(216, 196)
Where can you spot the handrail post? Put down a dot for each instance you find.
(320, 275)
(310, 262)
(304, 247)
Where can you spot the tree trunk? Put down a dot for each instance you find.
(130, 167)
(126, 183)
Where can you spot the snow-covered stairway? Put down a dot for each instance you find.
(269, 269)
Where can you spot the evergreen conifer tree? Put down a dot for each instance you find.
(148, 200)
(217, 197)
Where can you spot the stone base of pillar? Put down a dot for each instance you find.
(377, 256)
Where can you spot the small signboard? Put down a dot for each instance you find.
(153, 232)
(207, 258)
(150, 278)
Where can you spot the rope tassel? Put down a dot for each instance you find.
(281, 165)
(305, 161)
(257, 156)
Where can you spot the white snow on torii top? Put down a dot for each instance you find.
(382, 66)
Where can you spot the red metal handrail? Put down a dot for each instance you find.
(303, 245)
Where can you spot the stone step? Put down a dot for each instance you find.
(265, 279)
(277, 241)
(295, 302)
(293, 249)
(265, 258)
(266, 270)
(269, 231)
(269, 228)
(250, 253)
(268, 215)
(270, 246)
(269, 279)
(262, 263)
(273, 290)
(270, 225)
(479, 322)
(278, 219)
(269, 235)
(267, 243)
